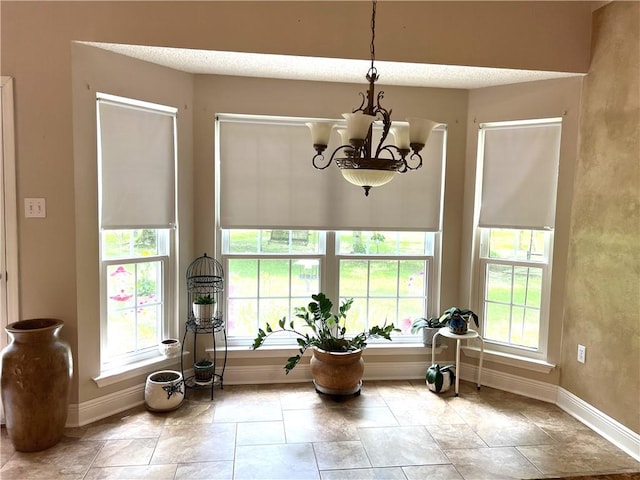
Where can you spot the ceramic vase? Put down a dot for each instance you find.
(337, 373)
(36, 371)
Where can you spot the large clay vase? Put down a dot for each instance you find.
(337, 373)
(36, 371)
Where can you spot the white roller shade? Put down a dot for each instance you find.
(137, 154)
(520, 175)
(267, 181)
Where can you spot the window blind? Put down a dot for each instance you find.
(520, 175)
(136, 155)
(267, 181)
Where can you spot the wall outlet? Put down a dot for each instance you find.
(582, 353)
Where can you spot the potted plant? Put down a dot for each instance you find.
(203, 309)
(163, 391)
(203, 371)
(458, 319)
(429, 328)
(336, 365)
(169, 347)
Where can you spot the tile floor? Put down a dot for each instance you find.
(393, 430)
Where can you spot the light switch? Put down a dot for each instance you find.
(35, 208)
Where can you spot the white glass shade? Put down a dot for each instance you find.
(420, 129)
(358, 124)
(400, 131)
(320, 132)
(363, 177)
(344, 136)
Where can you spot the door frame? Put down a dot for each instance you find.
(8, 212)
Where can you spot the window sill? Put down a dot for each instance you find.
(378, 349)
(518, 361)
(126, 372)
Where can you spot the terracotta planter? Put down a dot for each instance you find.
(36, 370)
(337, 373)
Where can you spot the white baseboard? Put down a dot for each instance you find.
(621, 436)
(105, 406)
(511, 383)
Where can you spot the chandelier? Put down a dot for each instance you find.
(356, 159)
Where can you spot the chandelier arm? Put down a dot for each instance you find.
(362, 104)
(386, 121)
(318, 157)
(348, 150)
(415, 157)
(390, 149)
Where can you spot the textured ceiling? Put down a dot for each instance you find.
(326, 69)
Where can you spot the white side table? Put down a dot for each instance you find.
(445, 332)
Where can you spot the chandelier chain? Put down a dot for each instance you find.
(373, 33)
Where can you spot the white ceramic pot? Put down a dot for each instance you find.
(169, 347)
(164, 391)
(203, 313)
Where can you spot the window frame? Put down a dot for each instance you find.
(329, 280)
(484, 261)
(167, 327)
(167, 257)
(479, 264)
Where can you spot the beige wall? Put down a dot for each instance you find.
(602, 308)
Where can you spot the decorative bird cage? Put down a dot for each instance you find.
(205, 284)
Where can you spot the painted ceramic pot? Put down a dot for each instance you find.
(169, 347)
(164, 391)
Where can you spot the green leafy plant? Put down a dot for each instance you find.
(328, 330)
(204, 363)
(421, 323)
(453, 314)
(204, 300)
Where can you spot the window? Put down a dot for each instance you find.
(518, 181)
(515, 271)
(288, 231)
(134, 266)
(136, 168)
(271, 272)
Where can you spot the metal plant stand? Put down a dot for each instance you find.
(205, 277)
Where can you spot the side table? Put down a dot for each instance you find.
(445, 332)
